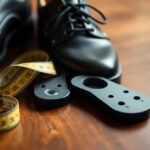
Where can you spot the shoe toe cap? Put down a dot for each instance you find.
(90, 56)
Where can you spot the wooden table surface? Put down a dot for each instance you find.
(79, 125)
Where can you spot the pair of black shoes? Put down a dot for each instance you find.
(75, 41)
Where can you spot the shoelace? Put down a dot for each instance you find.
(78, 17)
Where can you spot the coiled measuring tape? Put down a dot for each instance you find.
(9, 115)
(15, 78)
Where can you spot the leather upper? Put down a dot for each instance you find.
(89, 52)
(13, 13)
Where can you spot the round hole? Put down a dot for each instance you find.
(59, 85)
(93, 30)
(136, 97)
(51, 92)
(43, 86)
(88, 22)
(126, 91)
(121, 103)
(111, 96)
(95, 83)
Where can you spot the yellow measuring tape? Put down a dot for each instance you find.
(9, 115)
(15, 78)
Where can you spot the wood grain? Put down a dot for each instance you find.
(79, 125)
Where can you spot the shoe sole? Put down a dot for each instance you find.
(61, 69)
(117, 77)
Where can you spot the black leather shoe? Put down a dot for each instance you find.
(14, 16)
(75, 39)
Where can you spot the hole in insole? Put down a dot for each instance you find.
(126, 91)
(137, 98)
(95, 83)
(51, 92)
(59, 85)
(121, 103)
(111, 96)
(43, 86)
